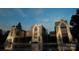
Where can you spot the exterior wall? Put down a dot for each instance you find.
(61, 45)
(37, 38)
(13, 35)
(10, 39)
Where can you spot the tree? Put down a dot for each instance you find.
(19, 26)
(75, 26)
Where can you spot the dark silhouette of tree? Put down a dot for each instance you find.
(1, 39)
(19, 26)
(75, 27)
(1, 34)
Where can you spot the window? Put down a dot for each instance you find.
(35, 37)
(63, 29)
(63, 25)
(17, 40)
(65, 40)
(64, 33)
(10, 40)
(35, 33)
(9, 43)
(36, 29)
(17, 33)
(11, 33)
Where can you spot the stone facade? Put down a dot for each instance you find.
(38, 37)
(64, 36)
(14, 38)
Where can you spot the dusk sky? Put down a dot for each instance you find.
(30, 16)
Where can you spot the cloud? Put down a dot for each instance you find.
(39, 11)
(44, 20)
(20, 11)
(3, 13)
